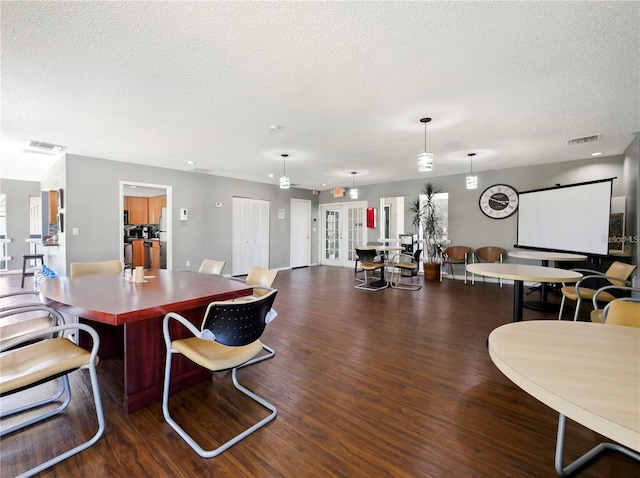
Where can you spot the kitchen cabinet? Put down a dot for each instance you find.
(138, 208)
(141, 253)
(155, 254)
(53, 207)
(156, 204)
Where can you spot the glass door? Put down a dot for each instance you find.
(343, 228)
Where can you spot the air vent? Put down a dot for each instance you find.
(584, 139)
(42, 147)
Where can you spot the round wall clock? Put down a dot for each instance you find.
(499, 201)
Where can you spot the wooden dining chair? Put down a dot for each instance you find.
(455, 255)
(487, 254)
(228, 339)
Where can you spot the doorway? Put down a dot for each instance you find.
(342, 229)
(300, 251)
(156, 224)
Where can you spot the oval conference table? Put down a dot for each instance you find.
(520, 273)
(587, 372)
(128, 317)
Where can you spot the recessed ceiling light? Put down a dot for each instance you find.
(596, 154)
(270, 175)
(190, 162)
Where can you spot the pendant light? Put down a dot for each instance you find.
(285, 181)
(472, 181)
(353, 192)
(425, 160)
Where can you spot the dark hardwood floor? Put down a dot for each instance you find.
(367, 384)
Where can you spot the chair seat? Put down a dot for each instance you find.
(371, 266)
(586, 293)
(41, 360)
(406, 265)
(214, 356)
(16, 329)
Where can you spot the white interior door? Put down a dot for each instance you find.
(342, 229)
(300, 252)
(250, 235)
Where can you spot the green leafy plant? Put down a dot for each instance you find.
(428, 216)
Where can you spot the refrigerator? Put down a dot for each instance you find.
(162, 236)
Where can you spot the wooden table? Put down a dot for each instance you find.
(545, 256)
(585, 371)
(133, 314)
(520, 273)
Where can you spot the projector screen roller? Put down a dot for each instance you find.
(572, 218)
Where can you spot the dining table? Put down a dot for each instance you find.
(545, 257)
(128, 317)
(520, 273)
(587, 372)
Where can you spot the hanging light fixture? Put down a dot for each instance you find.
(285, 181)
(472, 181)
(425, 160)
(353, 192)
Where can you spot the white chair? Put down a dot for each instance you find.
(212, 267)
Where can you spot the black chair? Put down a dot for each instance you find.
(229, 338)
(369, 262)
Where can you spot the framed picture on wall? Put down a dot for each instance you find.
(60, 222)
(60, 199)
(616, 231)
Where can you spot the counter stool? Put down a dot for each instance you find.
(28, 257)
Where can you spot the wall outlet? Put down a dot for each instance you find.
(188, 263)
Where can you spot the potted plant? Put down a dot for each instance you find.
(427, 214)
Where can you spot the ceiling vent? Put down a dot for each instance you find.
(584, 139)
(42, 147)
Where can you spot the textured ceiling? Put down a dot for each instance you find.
(346, 83)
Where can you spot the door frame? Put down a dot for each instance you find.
(169, 221)
(300, 225)
(343, 249)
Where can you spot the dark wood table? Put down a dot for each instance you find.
(128, 317)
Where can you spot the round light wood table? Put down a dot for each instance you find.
(587, 372)
(520, 273)
(545, 256)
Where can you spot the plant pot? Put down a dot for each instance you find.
(431, 271)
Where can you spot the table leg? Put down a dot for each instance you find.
(542, 305)
(518, 293)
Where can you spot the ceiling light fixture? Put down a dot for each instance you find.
(353, 192)
(285, 181)
(425, 160)
(472, 181)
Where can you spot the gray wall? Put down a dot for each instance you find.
(470, 227)
(92, 200)
(18, 193)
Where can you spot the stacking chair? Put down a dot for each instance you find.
(404, 263)
(370, 263)
(623, 312)
(597, 314)
(259, 276)
(229, 338)
(378, 258)
(77, 269)
(617, 274)
(487, 254)
(41, 356)
(210, 266)
(16, 324)
(455, 255)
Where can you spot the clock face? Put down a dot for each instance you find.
(499, 201)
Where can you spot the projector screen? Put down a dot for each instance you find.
(572, 218)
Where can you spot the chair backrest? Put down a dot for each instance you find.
(623, 312)
(366, 254)
(238, 323)
(490, 253)
(262, 277)
(210, 266)
(77, 269)
(621, 270)
(457, 252)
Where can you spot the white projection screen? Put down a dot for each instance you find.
(572, 218)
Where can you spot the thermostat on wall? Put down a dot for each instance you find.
(184, 214)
